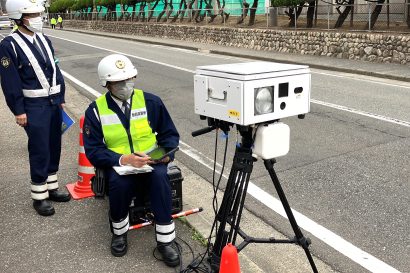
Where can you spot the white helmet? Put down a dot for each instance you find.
(16, 8)
(114, 68)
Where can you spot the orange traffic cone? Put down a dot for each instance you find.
(82, 188)
(229, 260)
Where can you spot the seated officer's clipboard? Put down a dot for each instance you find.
(67, 121)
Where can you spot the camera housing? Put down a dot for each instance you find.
(253, 92)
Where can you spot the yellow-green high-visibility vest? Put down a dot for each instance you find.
(116, 136)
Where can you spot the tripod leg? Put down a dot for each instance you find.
(302, 241)
(232, 203)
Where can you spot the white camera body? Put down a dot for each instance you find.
(252, 93)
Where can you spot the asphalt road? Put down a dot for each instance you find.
(346, 172)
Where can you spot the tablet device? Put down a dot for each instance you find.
(160, 153)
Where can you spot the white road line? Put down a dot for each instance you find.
(331, 105)
(362, 113)
(357, 255)
(361, 79)
(333, 240)
(81, 84)
(129, 55)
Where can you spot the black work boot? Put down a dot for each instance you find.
(169, 253)
(43, 207)
(58, 196)
(119, 245)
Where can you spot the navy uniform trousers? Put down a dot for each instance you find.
(122, 188)
(44, 137)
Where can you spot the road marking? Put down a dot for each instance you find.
(129, 55)
(362, 113)
(327, 104)
(328, 237)
(191, 51)
(361, 79)
(81, 84)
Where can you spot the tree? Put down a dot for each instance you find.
(295, 8)
(61, 6)
(348, 7)
(252, 12)
(111, 6)
(375, 14)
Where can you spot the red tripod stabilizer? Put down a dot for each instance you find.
(174, 216)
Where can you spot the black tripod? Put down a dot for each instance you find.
(230, 211)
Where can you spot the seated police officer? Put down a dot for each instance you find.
(34, 90)
(120, 127)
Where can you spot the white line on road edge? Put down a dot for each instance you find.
(333, 240)
(331, 105)
(81, 84)
(129, 55)
(357, 255)
(360, 79)
(363, 113)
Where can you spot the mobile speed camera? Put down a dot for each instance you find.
(253, 92)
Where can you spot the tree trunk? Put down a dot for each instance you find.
(343, 15)
(163, 11)
(133, 12)
(151, 10)
(310, 14)
(245, 8)
(170, 10)
(408, 13)
(375, 14)
(192, 11)
(181, 9)
(252, 13)
(291, 14)
(198, 15)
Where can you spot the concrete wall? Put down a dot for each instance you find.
(382, 48)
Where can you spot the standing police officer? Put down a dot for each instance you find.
(34, 90)
(60, 21)
(120, 127)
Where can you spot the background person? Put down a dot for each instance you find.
(53, 23)
(34, 90)
(120, 127)
(60, 21)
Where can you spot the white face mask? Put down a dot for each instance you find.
(122, 90)
(36, 24)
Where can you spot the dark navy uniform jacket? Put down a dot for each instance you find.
(158, 117)
(18, 74)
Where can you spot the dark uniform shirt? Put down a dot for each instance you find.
(158, 117)
(17, 74)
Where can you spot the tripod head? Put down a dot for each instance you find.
(267, 140)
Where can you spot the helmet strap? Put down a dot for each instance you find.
(19, 22)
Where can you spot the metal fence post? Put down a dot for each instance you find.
(267, 17)
(295, 11)
(370, 19)
(328, 17)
